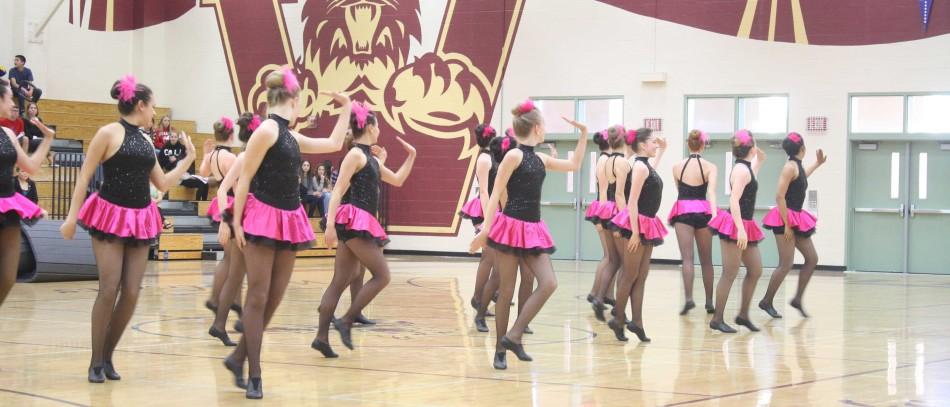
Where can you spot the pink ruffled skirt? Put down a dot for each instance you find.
(802, 222)
(725, 227)
(215, 213)
(16, 209)
(591, 214)
(265, 224)
(694, 212)
(519, 237)
(107, 221)
(651, 228)
(473, 211)
(353, 222)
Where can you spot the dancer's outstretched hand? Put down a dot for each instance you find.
(577, 125)
(337, 96)
(329, 236)
(224, 234)
(479, 242)
(820, 156)
(68, 229)
(239, 234)
(408, 147)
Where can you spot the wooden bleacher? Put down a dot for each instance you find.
(80, 121)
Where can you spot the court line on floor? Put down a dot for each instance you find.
(23, 393)
(789, 385)
(364, 369)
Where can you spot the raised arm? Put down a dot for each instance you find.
(164, 181)
(31, 162)
(758, 160)
(333, 143)
(94, 156)
(655, 161)
(574, 163)
(820, 159)
(399, 177)
(353, 162)
(508, 165)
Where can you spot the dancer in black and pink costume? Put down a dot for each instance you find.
(352, 221)
(790, 201)
(14, 207)
(519, 234)
(738, 234)
(121, 217)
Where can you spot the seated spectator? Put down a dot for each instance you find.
(308, 189)
(162, 133)
(171, 153)
(32, 135)
(14, 122)
(25, 186)
(326, 187)
(21, 81)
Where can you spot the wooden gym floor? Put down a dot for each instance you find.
(873, 339)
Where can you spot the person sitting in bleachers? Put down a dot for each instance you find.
(14, 123)
(25, 186)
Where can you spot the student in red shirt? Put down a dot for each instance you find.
(14, 122)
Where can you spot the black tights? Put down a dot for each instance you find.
(606, 274)
(633, 281)
(121, 268)
(9, 258)
(731, 257)
(349, 255)
(268, 273)
(507, 263)
(494, 281)
(786, 253)
(231, 286)
(685, 235)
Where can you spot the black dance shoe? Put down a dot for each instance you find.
(721, 327)
(599, 309)
(746, 323)
(324, 348)
(798, 306)
(222, 336)
(769, 309)
(500, 362)
(362, 320)
(255, 389)
(618, 330)
(237, 370)
(109, 370)
(96, 375)
(516, 348)
(688, 306)
(344, 333)
(638, 331)
(480, 325)
(237, 308)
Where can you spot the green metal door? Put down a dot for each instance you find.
(560, 207)
(589, 239)
(929, 208)
(878, 193)
(720, 153)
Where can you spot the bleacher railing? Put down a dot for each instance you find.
(65, 173)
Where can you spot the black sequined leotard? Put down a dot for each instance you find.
(276, 181)
(125, 174)
(7, 161)
(524, 202)
(697, 220)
